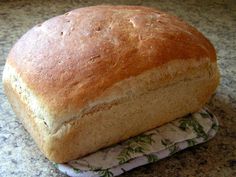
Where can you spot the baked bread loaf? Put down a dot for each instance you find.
(98, 75)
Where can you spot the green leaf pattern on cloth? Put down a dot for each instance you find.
(146, 148)
(214, 126)
(173, 149)
(166, 142)
(152, 158)
(190, 122)
(103, 172)
(191, 142)
(138, 144)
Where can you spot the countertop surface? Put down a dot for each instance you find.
(19, 155)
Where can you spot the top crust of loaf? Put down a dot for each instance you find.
(70, 60)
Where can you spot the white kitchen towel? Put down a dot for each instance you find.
(146, 148)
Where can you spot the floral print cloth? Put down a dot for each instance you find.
(146, 148)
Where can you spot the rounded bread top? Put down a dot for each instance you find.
(71, 59)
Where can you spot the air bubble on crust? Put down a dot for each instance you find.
(93, 58)
(98, 28)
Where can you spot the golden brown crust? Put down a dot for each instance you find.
(90, 133)
(71, 59)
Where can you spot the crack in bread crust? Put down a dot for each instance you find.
(120, 92)
(203, 80)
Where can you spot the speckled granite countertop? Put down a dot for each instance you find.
(19, 155)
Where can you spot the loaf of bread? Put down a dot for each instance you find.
(99, 75)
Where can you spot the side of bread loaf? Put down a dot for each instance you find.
(74, 102)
